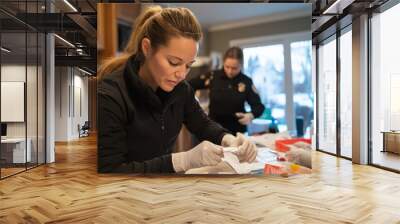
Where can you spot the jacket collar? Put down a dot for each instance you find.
(224, 76)
(139, 90)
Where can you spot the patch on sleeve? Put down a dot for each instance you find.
(253, 87)
(207, 82)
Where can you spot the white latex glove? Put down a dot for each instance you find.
(247, 151)
(299, 156)
(244, 118)
(204, 154)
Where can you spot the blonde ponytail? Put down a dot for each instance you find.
(159, 25)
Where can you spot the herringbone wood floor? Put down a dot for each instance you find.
(70, 191)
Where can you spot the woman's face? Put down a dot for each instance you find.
(170, 64)
(232, 67)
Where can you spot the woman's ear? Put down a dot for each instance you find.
(146, 46)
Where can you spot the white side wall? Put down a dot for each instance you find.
(71, 102)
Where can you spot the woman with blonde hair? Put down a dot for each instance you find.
(143, 101)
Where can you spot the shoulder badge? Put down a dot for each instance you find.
(253, 87)
(207, 82)
(241, 87)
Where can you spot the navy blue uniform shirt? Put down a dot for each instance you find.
(228, 96)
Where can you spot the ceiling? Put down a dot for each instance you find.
(39, 6)
(79, 27)
(332, 15)
(217, 14)
(76, 26)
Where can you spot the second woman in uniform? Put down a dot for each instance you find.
(229, 90)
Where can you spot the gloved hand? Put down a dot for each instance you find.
(299, 156)
(244, 118)
(247, 151)
(204, 154)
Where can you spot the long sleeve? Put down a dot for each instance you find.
(200, 81)
(257, 108)
(112, 140)
(199, 123)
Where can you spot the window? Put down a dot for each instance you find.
(385, 86)
(346, 94)
(265, 65)
(302, 83)
(327, 96)
(273, 63)
(22, 65)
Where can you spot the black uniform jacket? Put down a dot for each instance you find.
(137, 127)
(228, 96)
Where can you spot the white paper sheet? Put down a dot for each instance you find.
(264, 155)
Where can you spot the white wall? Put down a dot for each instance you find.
(71, 93)
(13, 73)
(33, 127)
(61, 103)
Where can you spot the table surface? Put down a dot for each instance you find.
(225, 168)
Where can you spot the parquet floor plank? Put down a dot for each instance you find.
(71, 191)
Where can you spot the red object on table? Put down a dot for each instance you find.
(273, 169)
(281, 158)
(283, 145)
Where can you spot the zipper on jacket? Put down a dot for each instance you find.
(162, 124)
(163, 130)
